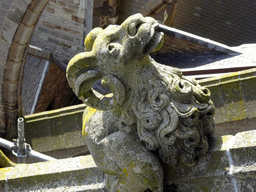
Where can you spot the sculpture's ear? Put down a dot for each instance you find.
(84, 63)
(90, 38)
(82, 73)
(82, 67)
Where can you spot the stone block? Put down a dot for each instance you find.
(230, 166)
(235, 111)
(38, 6)
(2, 114)
(217, 95)
(55, 33)
(2, 70)
(232, 91)
(248, 87)
(1, 21)
(63, 129)
(233, 94)
(73, 174)
(53, 40)
(23, 34)
(16, 15)
(12, 71)
(22, 4)
(3, 12)
(250, 107)
(43, 29)
(220, 115)
(10, 93)
(8, 30)
(39, 52)
(77, 19)
(17, 52)
(67, 37)
(50, 10)
(6, 5)
(4, 49)
(30, 18)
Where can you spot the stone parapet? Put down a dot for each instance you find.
(63, 124)
(55, 130)
(73, 174)
(230, 166)
(233, 95)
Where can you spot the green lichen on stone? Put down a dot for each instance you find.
(152, 107)
(236, 91)
(5, 161)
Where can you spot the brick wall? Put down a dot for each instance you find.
(62, 27)
(11, 14)
(228, 22)
(55, 92)
(129, 7)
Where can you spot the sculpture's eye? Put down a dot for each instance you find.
(113, 49)
(133, 28)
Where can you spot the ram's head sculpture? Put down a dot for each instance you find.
(154, 115)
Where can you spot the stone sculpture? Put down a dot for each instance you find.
(154, 114)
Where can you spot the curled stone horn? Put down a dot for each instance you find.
(83, 72)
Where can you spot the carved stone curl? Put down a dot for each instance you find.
(155, 115)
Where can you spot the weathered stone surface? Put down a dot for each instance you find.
(13, 71)
(38, 5)
(5, 161)
(230, 166)
(16, 15)
(2, 118)
(4, 46)
(74, 174)
(56, 31)
(17, 52)
(23, 34)
(12, 90)
(233, 95)
(39, 52)
(30, 18)
(8, 30)
(152, 107)
(22, 4)
(63, 129)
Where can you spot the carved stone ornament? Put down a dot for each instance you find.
(154, 115)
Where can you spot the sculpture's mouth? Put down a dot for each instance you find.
(154, 41)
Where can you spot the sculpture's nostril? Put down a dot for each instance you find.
(133, 28)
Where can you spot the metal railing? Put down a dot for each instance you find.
(21, 149)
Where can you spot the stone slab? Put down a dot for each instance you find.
(233, 95)
(56, 129)
(230, 166)
(73, 174)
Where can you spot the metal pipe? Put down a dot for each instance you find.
(195, 39)
(21, 141)
(40, 156)
(20, 149)
(31, 153)
(6, 144)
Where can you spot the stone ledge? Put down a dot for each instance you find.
(56, 129)
(73, 174)
(233, 95)
(39, 52)
(231, 164)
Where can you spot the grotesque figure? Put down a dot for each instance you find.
(155, 115)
